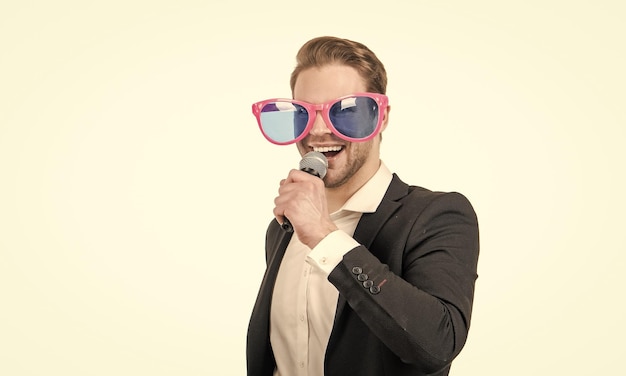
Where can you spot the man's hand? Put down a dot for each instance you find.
(302, 199)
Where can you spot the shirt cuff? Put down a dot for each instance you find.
(329, 252)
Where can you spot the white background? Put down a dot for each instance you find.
(135, 187)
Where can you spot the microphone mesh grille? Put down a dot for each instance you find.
(314, 163)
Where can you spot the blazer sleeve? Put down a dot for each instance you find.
(420, 308)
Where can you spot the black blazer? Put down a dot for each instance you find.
(420, 252)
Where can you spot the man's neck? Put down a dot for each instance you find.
(337, 197)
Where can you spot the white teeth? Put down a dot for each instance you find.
(326, 149)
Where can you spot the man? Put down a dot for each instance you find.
(377, 277)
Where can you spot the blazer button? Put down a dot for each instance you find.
(362, 277)
(374, 290)
(357, 270)
(367, 284)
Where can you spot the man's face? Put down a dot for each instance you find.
(348, 162)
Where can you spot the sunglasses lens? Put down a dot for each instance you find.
(355, 117)
(283, 122)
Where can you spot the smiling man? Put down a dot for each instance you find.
(377, 277)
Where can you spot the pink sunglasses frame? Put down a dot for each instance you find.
(324, 108)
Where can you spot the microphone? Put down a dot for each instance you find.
(314, 163)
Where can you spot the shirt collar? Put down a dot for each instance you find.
(369, 196)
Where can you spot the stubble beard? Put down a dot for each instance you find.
(356, 160)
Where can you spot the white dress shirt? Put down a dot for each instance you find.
(304, 301)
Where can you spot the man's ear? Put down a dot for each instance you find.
(385, 118)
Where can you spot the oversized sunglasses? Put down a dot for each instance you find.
(356, 118)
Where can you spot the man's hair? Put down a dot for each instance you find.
(327, 50)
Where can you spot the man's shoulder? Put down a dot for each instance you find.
(415, 195)
(399, 190)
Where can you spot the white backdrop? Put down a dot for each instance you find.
(135, 188)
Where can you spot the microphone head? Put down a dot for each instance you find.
(315, 163)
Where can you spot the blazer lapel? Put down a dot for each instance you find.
(277, 241)
(260, 356)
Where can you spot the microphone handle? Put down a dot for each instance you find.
(286, 226)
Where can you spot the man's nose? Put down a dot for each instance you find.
(319, 126)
